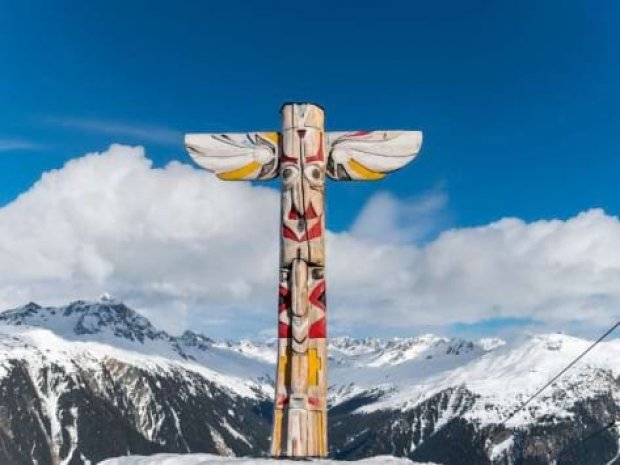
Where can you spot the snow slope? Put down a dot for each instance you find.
(404, 371)
(208, 459)
(417, 385)
(39, 347)
(503, 376)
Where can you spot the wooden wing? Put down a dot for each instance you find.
(370, 155)
(237, 156)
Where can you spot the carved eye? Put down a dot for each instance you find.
(314, 174)
(290, 174)
(317, 273)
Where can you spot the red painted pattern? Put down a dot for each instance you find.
(284, 331)
(285, 158)
(318, 329)
(282, 400)
(285, 300)
(288, 233)
(310, 214)
(316, 294)
(314, 232)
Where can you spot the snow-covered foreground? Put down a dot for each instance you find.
(208, 459)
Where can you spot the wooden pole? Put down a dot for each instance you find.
(300, 413)
(303, 154)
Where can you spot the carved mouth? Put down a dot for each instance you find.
(313, 232)
(309, 214)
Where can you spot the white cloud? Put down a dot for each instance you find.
(556, 272)
(190, 250)
(110, 222)
(388, 219)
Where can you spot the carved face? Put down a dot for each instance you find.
(304, 300)
(302, 167)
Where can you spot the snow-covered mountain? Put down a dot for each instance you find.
(92, 380)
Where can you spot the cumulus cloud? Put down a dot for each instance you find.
(191, 251)
(388, 219)
(555, 272)
(160, 238)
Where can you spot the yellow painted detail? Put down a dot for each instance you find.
(282, 368)
(272, 136)
(364, 172)
(314, 365)
(240, 173)
(276, 443)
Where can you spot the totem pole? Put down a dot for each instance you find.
(302, 154)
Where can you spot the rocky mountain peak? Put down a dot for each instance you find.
(197, 340)
(378, 352)
(30, 308)
(105, 316)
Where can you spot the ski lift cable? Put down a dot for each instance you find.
(592, 435)
(556, 377)
(609, 425)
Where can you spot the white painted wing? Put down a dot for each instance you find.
(370, 155)
(237, 156)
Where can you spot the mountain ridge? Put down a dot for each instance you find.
(413, 391)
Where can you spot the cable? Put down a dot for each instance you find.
(564, 370)
(610, 425)
(597, 432)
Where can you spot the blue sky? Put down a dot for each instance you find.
(519, 101)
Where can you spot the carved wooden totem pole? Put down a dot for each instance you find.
(302, 154)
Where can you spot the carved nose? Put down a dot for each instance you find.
(299, 287)
(300, 201)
